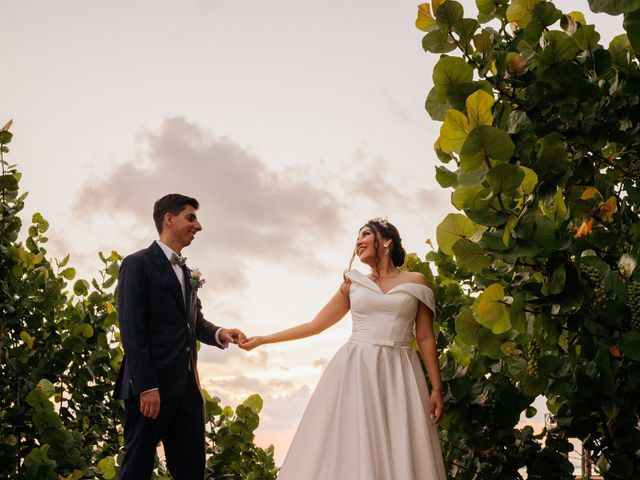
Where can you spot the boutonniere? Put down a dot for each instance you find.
(196, 279)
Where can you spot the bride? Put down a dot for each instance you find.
(371, 416)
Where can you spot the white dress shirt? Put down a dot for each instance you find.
(177, 269)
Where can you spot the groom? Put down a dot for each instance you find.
(160, 320)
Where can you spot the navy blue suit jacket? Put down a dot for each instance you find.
(158, 331)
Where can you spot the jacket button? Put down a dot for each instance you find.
(188, 349)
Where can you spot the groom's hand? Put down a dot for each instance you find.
(150, 404)
(231, 335)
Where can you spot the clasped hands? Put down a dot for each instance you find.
(233, 335)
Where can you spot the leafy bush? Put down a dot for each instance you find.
(536, 276)
(60, 354)
(233, 453)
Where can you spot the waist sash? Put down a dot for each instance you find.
(382, 343)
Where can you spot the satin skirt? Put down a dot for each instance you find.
(368, 419)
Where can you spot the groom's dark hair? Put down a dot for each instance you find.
(173, 203)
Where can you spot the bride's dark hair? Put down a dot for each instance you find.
(387, 231)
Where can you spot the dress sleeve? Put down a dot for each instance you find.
(423, 294)
(361, 279)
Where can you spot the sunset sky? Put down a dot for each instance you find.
(291, 121)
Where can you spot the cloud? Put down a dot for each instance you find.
(320, 362)
(283, 412)
(373, 179)
(284, 401)
(433, 200)
(249, 211)
(233, 357)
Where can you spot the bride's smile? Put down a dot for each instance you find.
(365, 245)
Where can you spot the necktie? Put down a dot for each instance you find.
(178, 259)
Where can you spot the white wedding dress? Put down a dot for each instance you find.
(368, 418)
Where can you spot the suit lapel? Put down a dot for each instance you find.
(165, 270)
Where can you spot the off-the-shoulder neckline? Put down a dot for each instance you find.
(377, 287)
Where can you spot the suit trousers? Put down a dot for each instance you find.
(180, 428)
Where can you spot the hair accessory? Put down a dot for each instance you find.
(384, 221)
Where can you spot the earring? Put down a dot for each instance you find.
(386, 249)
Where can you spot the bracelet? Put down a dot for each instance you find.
(436, 388)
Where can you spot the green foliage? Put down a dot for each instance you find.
(614, 7)
(234, 455)
(536, 276)
(60, 353)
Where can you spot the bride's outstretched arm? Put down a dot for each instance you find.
(427, 344)
(336, 308)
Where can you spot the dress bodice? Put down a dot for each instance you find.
(385, 318)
